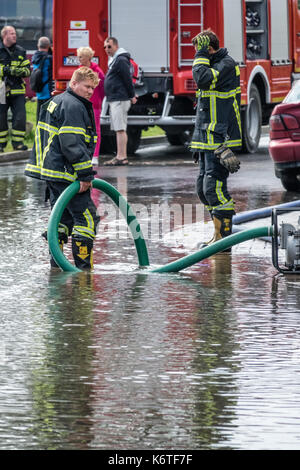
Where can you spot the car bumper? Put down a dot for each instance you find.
(284, 150)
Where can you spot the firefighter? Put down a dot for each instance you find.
(65, 139)
(14, 67)
(217, 128)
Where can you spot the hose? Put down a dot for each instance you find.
(214, 248)
(261, 213)
(117, 198)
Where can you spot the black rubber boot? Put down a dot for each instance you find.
(82, 249)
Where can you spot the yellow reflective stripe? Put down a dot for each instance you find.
(215, 75)
(38, 145)
(25, 63)
(82, 165)
(237, 113)
(58, 174)
(46, 149)
(17, 139)
(46, 127)
(201, 61)
(213, 122)
(72, 130)
(234, 143)
(33, 168)
(4, 133)
(204, 145)
(219, 192)
(17, 91)
(237, 71)
(89, 230)
(221, 94)
(15, 131)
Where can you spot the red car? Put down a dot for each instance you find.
(284, 146)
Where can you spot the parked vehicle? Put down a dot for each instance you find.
(284, 145)
(261, 35)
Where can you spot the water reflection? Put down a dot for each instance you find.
(122, 358)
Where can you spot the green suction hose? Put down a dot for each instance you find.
(216, 247)
(117, 198)
(139, 241)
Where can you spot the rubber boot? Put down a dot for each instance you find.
(63, 233)
(82, 250)
(223, 228)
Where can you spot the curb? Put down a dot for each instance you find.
(14, 156)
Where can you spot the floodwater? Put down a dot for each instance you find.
(121, 358)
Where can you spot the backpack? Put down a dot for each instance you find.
(36, 77)
(137, 73)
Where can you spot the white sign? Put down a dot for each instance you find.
(78, 39)
(78, 25)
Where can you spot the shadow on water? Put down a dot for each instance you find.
(127, 359)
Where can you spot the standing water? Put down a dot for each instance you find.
(121, 358)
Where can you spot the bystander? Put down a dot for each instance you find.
(120, 94)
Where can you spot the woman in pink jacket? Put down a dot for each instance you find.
(85, 55)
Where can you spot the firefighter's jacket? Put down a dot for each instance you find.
(65, 139)
(218, 109)
(14, 67)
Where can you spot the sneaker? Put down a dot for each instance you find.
(20, 147)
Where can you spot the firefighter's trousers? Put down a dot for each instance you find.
(212, 186)
(18, 126)
(80, 216)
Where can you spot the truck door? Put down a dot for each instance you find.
(142, 28)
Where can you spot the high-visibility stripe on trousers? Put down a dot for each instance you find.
(212, 186)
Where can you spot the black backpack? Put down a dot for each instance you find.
(36, 77)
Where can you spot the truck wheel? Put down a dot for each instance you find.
(174, 139)
(290, 181)
(108, 144)
(251, 122)
(183, 138)
(134, 139)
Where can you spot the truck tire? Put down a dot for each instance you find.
(183, 138)
(134, 140)
(108, 145)
(290, 181)
(251, 121)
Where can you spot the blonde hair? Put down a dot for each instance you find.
(85, 73)
(86, 51)
(5, 29)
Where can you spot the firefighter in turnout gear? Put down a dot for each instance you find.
(14, 67)
(65, 139)
(217, 128)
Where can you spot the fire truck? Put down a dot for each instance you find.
(263, 36)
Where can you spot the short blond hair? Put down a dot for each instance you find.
(85, 73)
(5, 29)
(86, 51)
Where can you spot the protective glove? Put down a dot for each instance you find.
(195, 157)
(227, 158)
(16, 71)
(202, 43)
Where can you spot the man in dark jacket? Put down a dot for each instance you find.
(120, 94)
(43, 54)
(64, 144)
(14, 67)
(217, 128)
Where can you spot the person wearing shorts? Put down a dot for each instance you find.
(120, 94)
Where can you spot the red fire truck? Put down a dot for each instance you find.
(262, 35)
